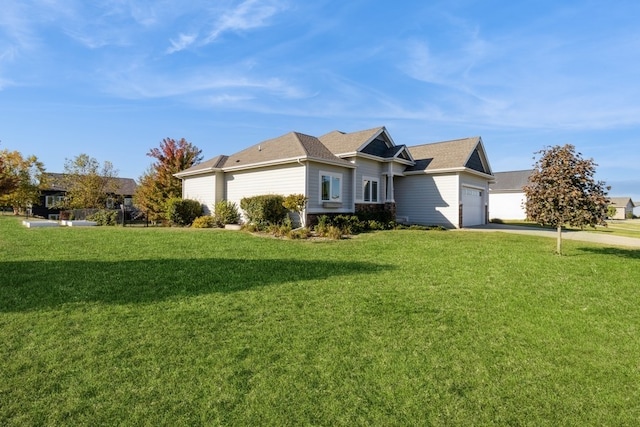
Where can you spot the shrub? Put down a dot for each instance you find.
(300, 233)
(183, 212)
(334, 232)
(279, 230)
(226, 212)
(104, 217)
(629, 215)
(322, 225)
(205, 221)
(264, 210)
(496, 221)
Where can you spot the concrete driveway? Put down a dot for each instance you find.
(583, 236)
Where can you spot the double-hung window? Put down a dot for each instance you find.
(370, 190)
(330, 187)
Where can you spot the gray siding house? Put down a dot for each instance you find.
(444, 183)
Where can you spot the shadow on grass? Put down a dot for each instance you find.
(44, 284)
(624, 253)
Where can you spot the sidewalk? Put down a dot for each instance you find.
(583, 236)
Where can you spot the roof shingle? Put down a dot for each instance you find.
(442, 155)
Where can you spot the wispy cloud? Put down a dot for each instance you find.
(248, 15)
(245, 16)
(184, 41)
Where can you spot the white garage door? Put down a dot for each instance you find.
(472, 207)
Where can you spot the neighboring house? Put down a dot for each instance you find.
(506, 195)
(444, 183)
(51, 197)
(624, 207)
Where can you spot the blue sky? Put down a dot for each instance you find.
(112, 78)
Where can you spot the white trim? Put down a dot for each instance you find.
(332, 175)
(371, 179)
(286, 161)
(55, 199)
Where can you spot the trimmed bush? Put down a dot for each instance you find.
(264, 210)
(183, 212)
(226, 212)
(205, 221)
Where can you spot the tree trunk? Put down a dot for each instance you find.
(559, 246)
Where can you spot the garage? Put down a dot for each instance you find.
(472, 206)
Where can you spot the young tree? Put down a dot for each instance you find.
(562, 190)
(88, 184)
(158, 185)
(297, 203)
(149, 198)
(25, 177)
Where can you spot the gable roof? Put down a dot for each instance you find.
(212, 164)
(125, 186)
(348, 143)
(621, 201)
(457, 154)
(286, 148)
(510, 181)
(290, 146)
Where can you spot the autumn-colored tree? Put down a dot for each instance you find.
(562, 190)
(158, 185)
(87, 184)
(7, 181)
(297, 203)
(149, 198)
(22, 179)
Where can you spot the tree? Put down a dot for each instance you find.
(158, 185)
(87, 184)
(297, 203)
(21, 179)
(562, 190)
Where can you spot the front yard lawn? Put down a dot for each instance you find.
(617, 227)
(159, 326)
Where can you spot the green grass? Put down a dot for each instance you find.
(158, 326)
(627, 227)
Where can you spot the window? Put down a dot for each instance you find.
(370, 190)
(330, 187)
(471, 192)
(52, 201)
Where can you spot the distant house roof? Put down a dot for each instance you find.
(454, 154)
(125, 186)
(511, 181)
(621, 201)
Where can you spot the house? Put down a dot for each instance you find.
(444, 183)
(624, 207)
(506, 195)
(54, 194)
